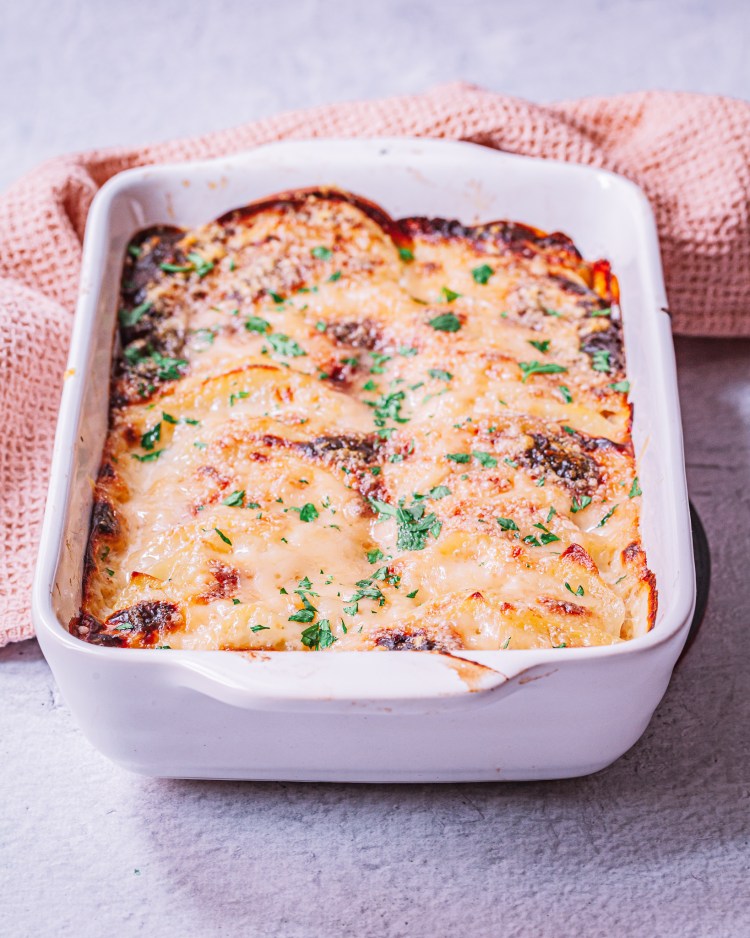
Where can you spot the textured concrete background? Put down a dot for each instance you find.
(655, 846)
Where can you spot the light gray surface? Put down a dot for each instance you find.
(658, 844)
(78, 74)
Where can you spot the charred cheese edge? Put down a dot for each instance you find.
(332, 430)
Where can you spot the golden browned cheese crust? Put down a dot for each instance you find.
(333, 430)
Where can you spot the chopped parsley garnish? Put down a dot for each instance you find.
(540, 346)
(601, 312)
(373, 556)
(439, 374)
(256, 324)
(200, 265)
(622, 386)
(485, 460)
(336, 275)
(276, 297)
(568, 429)
(134, 250)
(440, 491)
(239, 396)
(449, 295)
(223, 536)
(129, 317)
(388, 407)
(285, 346)
(318, 636)
(369, 385)
(600, 360)
(149, 457)
(482, 274)
(379, 360)
(168, 368)
(506, 643)
(407, 351)
(606, 518)
(578, 504)
(308, 512)
(151, 437)
(547, 537)
(458, 457)
(322, 253)
(551, 312)
(168, 418)
(321, 326)
(133, 354)
(577, 592)
(308, 611)
(305, 586)
(206, 336)
(406, 255)
(235, 499)
(367, 591)
(635, 489)
(412, 594)
(539, 368)
(507, 524)
(413, 525)
(446, 322)
(259, 628)
(566, 395)
(197, 264)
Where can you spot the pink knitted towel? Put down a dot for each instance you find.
(690, 153)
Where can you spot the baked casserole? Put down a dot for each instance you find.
(333, 430)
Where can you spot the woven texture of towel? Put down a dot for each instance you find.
(689, 153)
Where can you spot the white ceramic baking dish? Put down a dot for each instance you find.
(371, 716)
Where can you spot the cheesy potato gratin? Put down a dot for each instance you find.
(334, 430)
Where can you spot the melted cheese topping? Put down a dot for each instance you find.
(332, 430)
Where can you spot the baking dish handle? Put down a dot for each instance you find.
(386, 683)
